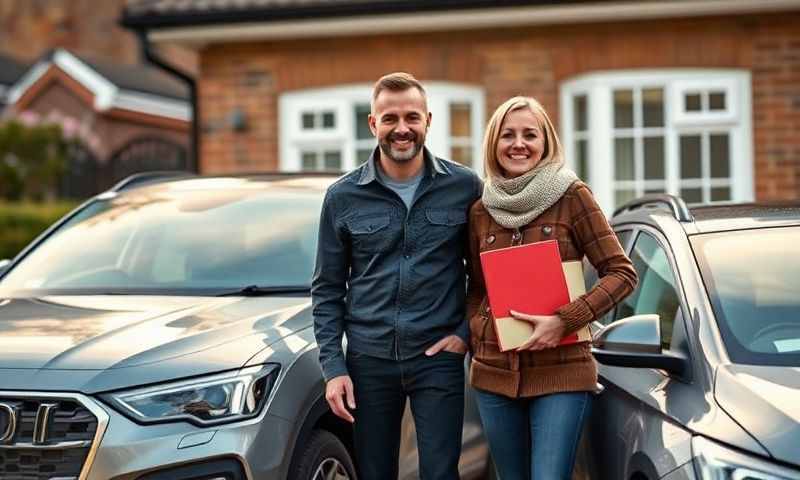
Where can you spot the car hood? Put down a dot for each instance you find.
(765, 401)
(115, 332)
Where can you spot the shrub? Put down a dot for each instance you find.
(22, 222)
(32, 159)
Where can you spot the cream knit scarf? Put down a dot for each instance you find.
(514, 202)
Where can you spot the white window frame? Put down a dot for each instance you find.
(342, 101)
(735, 119)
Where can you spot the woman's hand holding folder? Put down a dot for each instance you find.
(548, 330)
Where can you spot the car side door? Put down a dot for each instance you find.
(631, 433)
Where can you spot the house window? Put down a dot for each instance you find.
(365, 142)
(327, 129)
(681, 132)
(461, 133)
(318, 120)
(581, 136)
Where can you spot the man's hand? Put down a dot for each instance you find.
(547, 331)
(450, 343)
(335, 389)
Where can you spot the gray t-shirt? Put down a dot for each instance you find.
(405, 189)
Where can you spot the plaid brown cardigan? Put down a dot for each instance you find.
(581, 228)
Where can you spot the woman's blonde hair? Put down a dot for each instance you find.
(552, 146)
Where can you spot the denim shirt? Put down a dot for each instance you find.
(390, 278)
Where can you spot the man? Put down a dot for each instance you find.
(390, 275)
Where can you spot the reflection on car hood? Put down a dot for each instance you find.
(114, 332)
(765, 400)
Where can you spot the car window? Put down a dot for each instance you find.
(656, 292)
(591, 277)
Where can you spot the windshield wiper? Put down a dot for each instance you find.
(256, 291)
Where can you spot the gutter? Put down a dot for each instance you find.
(195, 29)
(154, 59)
(502, 11)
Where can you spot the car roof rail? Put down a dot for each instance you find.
(675, 204)
(138, 179)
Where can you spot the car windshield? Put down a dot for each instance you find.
(179, 237)
(753, 280)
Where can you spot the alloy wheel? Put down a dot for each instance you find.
(331, 469)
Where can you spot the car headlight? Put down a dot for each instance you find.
(713, 461)
(210, 400)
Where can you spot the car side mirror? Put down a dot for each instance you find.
(639, 333)
(635, 342)
(4, 264)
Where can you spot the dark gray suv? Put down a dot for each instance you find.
(163, 330)
(701, 364)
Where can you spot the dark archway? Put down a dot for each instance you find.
(83, 174)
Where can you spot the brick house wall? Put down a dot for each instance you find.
(29, 28)
(532, 61)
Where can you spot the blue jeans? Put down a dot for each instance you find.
(435, 387)
(550, 424)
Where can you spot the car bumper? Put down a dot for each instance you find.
(129, 451)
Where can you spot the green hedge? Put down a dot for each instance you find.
(22, 222)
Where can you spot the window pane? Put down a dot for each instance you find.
(362, 112)
(462, 155)
(653, 158)
(308, 121)
(654, 190)
(692, 195)
(653, 106)
(691, 102)
(362, 155)
(309, 160)
(581, 120)
(623, 159)
(716, 101)
(691, 166)
(328, 120)
(720, 156)
(333, 160)
(720, 194)
(460, 120)
(622, 195)
(581, 160)
(623, 108)
(656, 292)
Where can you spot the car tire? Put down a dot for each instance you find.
(322, 455)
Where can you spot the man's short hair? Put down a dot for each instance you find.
(397, 82)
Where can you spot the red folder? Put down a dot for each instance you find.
(529, 279)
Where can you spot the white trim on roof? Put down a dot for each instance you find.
(196, 36)
(104, 91)
(27, 80)
(106, 94)
(153, 104)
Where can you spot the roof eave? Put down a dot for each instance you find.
(197, 35)
(149, 20)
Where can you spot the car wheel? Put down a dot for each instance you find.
(324, 457)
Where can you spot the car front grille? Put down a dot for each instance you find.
(44, 438)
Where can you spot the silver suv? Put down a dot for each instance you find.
(701, 364)
(163, 330)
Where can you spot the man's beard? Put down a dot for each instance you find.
(401, 156)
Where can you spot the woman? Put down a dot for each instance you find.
(534, 400)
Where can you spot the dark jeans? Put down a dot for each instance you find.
(435, 386)
(551, 424)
